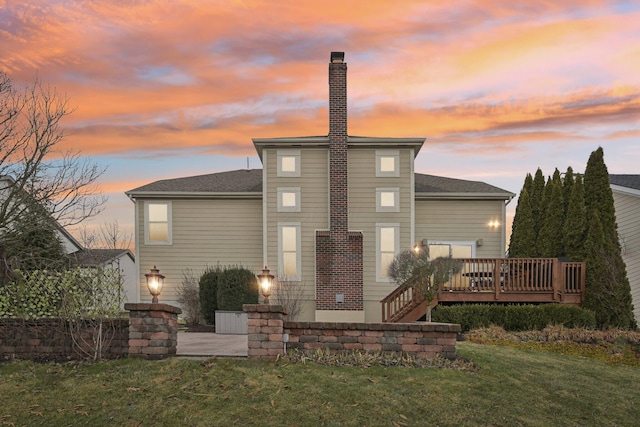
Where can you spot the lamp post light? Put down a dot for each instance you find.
(265, 281)
(155, 280)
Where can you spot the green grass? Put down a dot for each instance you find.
(508, 387)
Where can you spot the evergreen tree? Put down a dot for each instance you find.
(567, 186)
(528, 184)
(608, 291)
(549, 240)
(33, 244)
(535, 199)
(573, 233)
(523, 239)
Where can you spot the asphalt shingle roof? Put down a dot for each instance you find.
(629, 181)
(439, 184)
(238, 181)
(250, 180)
(95, 257)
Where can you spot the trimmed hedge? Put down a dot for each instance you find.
(237, 286)
(209, 293)
(514, 317)
(226, 288)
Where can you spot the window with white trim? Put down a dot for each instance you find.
(288, 199)
(387, 244)
(452, 249)
(289, 250)
(157, 223)
(387, 163)
(387, 199)
(288, 163)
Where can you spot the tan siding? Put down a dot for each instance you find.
(363, 216)
(461, 220)
(205, 232)
(628, 219)
(313, 183)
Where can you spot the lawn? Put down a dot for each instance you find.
(506, 386)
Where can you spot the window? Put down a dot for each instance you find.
(289, 250)
(452, 249)
(387, 244)
(157, 224)
(387, 200)
(289, 199)
(288, 163)
(387, 163)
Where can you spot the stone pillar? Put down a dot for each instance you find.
(266, 330)
(153, 330)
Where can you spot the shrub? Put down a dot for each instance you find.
(209, 293)
(289, 293)
(514, 317)
(237, 286)
(189, 297)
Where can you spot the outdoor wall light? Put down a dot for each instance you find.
(265, 281)
(155, 280)
(418, 247)
(494, 224)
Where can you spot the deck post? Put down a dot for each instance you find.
(557, 282)
(496, 277)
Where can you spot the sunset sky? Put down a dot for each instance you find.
(167, 89)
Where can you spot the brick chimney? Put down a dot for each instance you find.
(338, 176)
(339, 279)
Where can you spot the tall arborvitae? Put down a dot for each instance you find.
(608, 292)
(523, 239)
(535, 199)
(528, 184)
(549, 239)
(567, 185)
(575, 223)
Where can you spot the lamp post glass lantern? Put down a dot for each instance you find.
(265, 280)
(155, 280)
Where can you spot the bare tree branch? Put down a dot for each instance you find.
(34, 172)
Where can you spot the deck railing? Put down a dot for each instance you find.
(499, 280)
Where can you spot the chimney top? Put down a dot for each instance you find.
(337, 57)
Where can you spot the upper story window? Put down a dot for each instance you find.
(387, 163)
(157, 223)
(289, 199)
(288, 163)
(387, 199)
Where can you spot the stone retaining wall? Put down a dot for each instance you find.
(150, 332)
(153, 330)
(269, 332)
(54, 339)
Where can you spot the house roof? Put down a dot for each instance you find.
(629, 181)
(323, 141)
(238, 181)
(625, 184)
(249, 181)
(95, 257)
(438, 186)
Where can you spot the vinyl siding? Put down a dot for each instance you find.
(314, 211)
(628, 219)
(205, 233)
(463, 221)
(363, 216)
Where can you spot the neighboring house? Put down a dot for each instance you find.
(118, 258)
(328, 211)
(626, 199)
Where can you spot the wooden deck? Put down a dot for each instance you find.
(496, 280)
